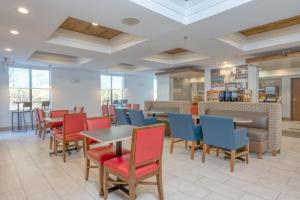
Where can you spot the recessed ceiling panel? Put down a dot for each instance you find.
(60, 59)
(272, 26)
(80, 26)
(176, 51)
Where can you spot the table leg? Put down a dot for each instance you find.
(119, 186)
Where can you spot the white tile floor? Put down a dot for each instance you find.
(28, 172)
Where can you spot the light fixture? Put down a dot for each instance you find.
(94, 24)
(8, 49)
(23, 10)
(130, 21)
(14, 32)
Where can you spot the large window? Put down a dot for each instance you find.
(28, 85)
(112, 88)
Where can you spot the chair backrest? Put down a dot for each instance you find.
(136, 106)
(217, 130)
(41, 115)
(95, 123)
(45, 104)
(181, 125)
(79, 109)
(36, 115)
(128, 105)
(74, 123)
(147, 144)
(27, 105)
(104, 109)
(58, 113)
(112, 111)
(136, 117)
(121, 116)
(116, 102)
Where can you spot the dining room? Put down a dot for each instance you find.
(173, 99)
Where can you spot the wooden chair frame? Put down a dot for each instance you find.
(66, 144)
(232, 154)
(131, 180)
(96, 165)
(193, 147)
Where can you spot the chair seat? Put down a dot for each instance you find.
(70, 137)
(120, 165)
(56, 124)
(103, 153)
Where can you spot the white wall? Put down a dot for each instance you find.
(164, 86)
(5, 114)
(253, 82)
(76, 87)
(139, 88)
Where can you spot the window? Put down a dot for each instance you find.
(112, 88)
(28, 85)
(155, 89)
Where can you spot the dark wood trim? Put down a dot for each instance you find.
(292, 87)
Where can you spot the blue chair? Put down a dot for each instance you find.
(137, 118)
(219, 132)
(121, 116)
(183, 128)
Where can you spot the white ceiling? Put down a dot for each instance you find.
(160, 32)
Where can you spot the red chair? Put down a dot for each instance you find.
(128, 105)
(112, 113)
(105, 110)
(98, 154)
(144, 161)
(136, 106)
(37, 121)
(57, 114)
(73, 124)
(55, 125)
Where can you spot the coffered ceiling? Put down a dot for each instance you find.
(209, 31)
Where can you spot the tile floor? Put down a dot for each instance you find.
(28, 172)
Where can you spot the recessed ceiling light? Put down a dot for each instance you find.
(23, 10)
(130, 21)
(14, 32)
(94, 24)
(8, 49)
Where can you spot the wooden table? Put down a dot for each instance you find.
(115, 134)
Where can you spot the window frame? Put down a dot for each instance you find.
(30, 88)
(111, 89)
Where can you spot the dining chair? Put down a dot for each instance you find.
(128, 106)
(73, 124)
(183, 128)
(37, 121)
(136, 106)
(137, 118)
(98, 154)
(112, 113)
(44, 126)
(104, 109)
(121, 117)
(55, 125)
(144, 161)
(45, 105)
(219, 131)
